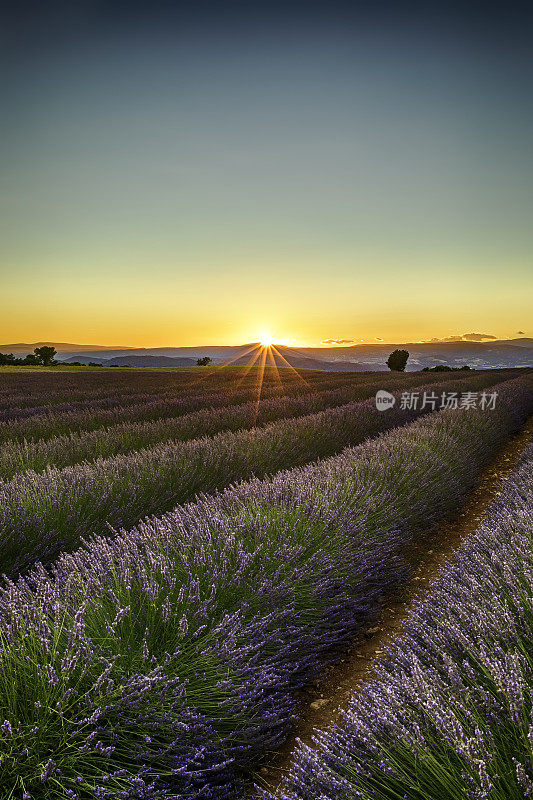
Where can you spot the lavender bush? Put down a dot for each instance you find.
(14, 407)
(164, 662)
(126, 437)
(65, 450)
(45, 422)
(44, 514)
(27, 389)
(449, 714)
(61, 385)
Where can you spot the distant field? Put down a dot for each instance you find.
(70, 368)
(183, 547)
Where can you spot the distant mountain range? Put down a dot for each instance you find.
(354, 358)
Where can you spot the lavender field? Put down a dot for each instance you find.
(450, 712)
(183, 552)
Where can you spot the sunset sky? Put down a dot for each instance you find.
(199, 173)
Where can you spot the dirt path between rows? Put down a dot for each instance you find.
(323, 701)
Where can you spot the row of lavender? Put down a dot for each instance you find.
(162, 405)
(83, 385)
(220, 414)
(52, 389)
(164, 662)
(55, 386)
(43, 514)
(15, 410)
(41, 422)
(14, 407)
(449, 714)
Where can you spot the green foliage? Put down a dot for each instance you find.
(203, 362)
(41, 356)
(446, 368)
(45, 355)
(397, 360)
(8, 359)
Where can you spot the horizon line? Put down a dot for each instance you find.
(319, 346)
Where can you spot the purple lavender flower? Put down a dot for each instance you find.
(269, 575)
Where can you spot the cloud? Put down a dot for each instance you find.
(521, 333)
(337, 341)
(378, 338)
(477, 337)
(465, 337)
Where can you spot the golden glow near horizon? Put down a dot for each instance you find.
(266, 339)
(162, 307)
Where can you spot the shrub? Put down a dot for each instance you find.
(397, 360)
(449, 714)
(166, 662)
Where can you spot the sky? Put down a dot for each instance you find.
(203, 173)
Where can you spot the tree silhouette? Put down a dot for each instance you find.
(203, 362)
(397, 360)
(45, 355)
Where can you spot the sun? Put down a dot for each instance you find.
(265, 339)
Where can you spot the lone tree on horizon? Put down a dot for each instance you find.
(397, 360)
(203, 362)
(45, 355)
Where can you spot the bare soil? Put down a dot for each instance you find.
(323, 701)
